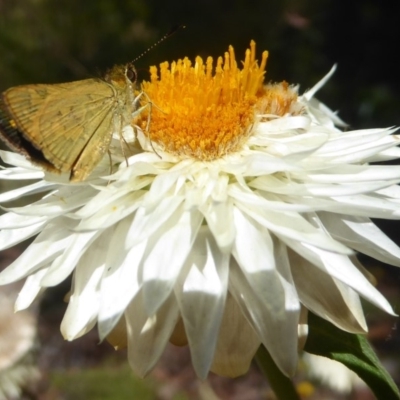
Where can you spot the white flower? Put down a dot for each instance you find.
(246, 209)
(17, 338)
(331, 373)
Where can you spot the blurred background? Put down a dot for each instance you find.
(48, 41)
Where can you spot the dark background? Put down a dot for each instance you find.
(44, 41)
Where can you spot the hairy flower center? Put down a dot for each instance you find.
(205, 113)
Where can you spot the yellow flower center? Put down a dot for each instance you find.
(205, 113)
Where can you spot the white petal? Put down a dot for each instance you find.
(121, 281)
(18, 173)
(385, 155)
(341, 268)
(237, 343)
(37, 187)
(281, 126)
(302, 329)
(253, 248)
(362, 235)
(321, 115)
(254, 251)
(307, 188)
(277, 330)
(391, 191)
(310, 93)
(260, 163)
(63, 266)
(275, 292)
(201, 294)
(296, 150)
(295, 227)
(83, 305)
(166, 253)
(148, 220)
(11, 237)
(328, 297)
(11, 220)
(56, 203)
(284, 269)
(369, 206)
(112, 212)
(148, 336)
(219, 217)
(219, 191)
(347, 143)
(362, 153)
(107, 196)
(45, 248)
(164, 183)
(31, 289)
(357, 174)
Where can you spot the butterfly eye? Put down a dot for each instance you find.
(131, 74)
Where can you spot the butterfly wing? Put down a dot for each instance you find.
(53, 124)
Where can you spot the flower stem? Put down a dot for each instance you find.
(281, 385)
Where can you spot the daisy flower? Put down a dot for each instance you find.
(232, 207)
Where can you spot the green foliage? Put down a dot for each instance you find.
(104, 383)
(354, 351)
(282, 386)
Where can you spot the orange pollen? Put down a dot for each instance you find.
(205, 112)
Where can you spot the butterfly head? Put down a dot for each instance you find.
(122, 75)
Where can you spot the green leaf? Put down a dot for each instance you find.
(354, 351)
(282, 386)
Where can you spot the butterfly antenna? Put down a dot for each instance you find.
(166, 36)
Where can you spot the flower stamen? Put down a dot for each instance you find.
(206, 113)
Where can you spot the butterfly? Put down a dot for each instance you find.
(68, 127)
